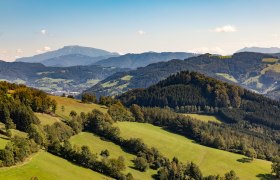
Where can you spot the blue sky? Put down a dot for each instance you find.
(29, 27)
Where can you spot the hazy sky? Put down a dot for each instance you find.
(29, 27)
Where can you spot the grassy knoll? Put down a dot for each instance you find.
(97, 145)
(72, 104)
(47, 119)
(46, 166)
(205, 118)
(211, 161)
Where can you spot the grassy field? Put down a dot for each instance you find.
(16, 132)
(72, 104)
(273, 68)
(211, 161)
(205, 118)
(47, 119)
(270, 60)
(227, 76)
(46, 166)
(97, 145)
(126, 78)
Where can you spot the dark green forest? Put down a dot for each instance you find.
(193, 92)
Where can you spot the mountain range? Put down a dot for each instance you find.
(255, 71)
(134, 61)
(270, 50)
(72, 60)
(78, 55)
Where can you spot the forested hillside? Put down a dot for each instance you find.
(193, 89)
(246, 115)
(254, 71)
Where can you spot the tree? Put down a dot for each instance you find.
(107, 100)
(89, 98)
(38, 134)
(137, 113)
(71, 97)
(105, 153)
(53, 105)
(73, 114)
(276, 167)
(251, 153)
(231, 176)
(119, 113)
(9, 133)
(193, 171)
(129, 176)
(7, 157)
(219, 142)
(141, 164)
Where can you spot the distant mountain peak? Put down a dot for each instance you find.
(67, 50)
(266, 50)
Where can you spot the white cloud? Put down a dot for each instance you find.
(141, 32)
(19, 51)
(43, 32)
(47, 48)
(39, 51)
(44, 49)
(225, 29)
(203, 50)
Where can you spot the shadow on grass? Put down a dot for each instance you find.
(244, 160)
(6, 138)
(265, 177)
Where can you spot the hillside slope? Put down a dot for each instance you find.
(194, 89)
(259, 72)
(211, 161)
(46, 166)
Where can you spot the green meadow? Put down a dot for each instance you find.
(46, 166)
(211, 161)
(73, 104)
(97, 145)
